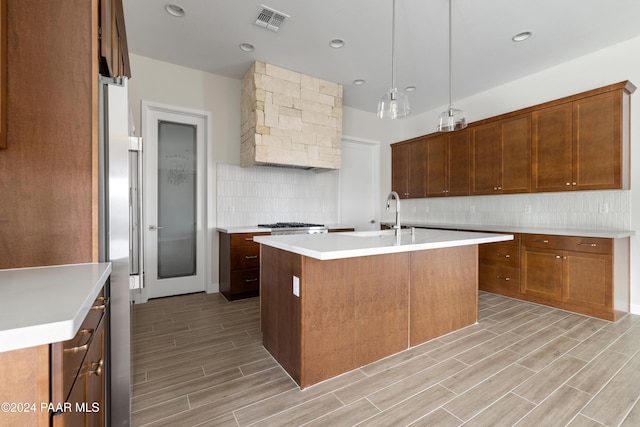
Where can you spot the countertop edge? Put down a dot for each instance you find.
(607, 234)
(55, 331)
(275, 242)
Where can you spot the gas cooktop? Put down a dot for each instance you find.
(290, 225)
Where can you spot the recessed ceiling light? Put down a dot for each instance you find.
(520, 37)
(359, 82)
(174, 10)
(336, 43)
(247, 47)
(409, 88)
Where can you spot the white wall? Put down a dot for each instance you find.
(162, 82)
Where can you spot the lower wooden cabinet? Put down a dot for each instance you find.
(499, 267)
(588, 275)
(63, 383)
(579, 274)
(239, 259)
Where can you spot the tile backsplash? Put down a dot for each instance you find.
(586, 210)
(264, 194)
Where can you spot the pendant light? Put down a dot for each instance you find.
(452, 119)
(394, 104)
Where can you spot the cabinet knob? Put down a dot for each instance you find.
(495, 188)
(558, 257)
(499, 188)
(506, 279)
(574, 183)
(567, 183)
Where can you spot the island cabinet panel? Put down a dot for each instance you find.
(280, 309)
(444, 297)
(355, 312)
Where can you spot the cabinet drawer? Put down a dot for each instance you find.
(244, 257)
(503, 253)
(245, 280)
(246, 239)
(569, 243)
(67, 356)
(499, 279)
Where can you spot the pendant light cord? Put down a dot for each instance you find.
(393, 46)
(450, 64)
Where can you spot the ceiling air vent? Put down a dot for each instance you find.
(270, 19)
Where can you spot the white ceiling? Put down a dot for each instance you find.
(207, 38)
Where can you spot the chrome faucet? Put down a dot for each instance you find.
(392, 195)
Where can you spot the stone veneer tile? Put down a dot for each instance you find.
(289, 118)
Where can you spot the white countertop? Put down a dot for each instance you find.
(355, 244)
(607, 234)
(43, 305)
(256, 229)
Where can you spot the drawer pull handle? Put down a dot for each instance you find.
(506, 279)
(249, 239)
(251, 256)
(593, 245)
(540, 241)
(78, 349)
(104, 302)
(504, 255)
(85, 331)
(96, 368)
(251, 280)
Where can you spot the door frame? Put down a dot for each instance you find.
(375, 145)
(148, 107)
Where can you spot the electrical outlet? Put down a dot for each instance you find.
(603, 208)
(296, 286)
(527, 208)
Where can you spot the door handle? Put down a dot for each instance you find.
(154, 227)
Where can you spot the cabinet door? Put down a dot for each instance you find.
(514, 166)
(597, 133)
(551, 147)
(417, 169)
(542, 273)
(485, 143)
(3, 74)
(400, 170)
(588, 280)
(458, 164)
(437, 158)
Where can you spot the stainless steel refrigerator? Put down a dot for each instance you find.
(118, 241)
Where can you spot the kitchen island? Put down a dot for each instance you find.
(331, 303)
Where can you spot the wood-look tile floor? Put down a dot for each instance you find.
(198, 361)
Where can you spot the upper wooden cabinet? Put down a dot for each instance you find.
(501, 156)
(409, 174)
(114, 52)
(448, 164)
(582, 144)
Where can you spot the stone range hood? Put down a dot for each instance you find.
(289, 119)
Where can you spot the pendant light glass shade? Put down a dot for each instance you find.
(394, 104)
(452, 119)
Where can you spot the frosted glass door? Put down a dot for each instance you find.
(177, 199)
